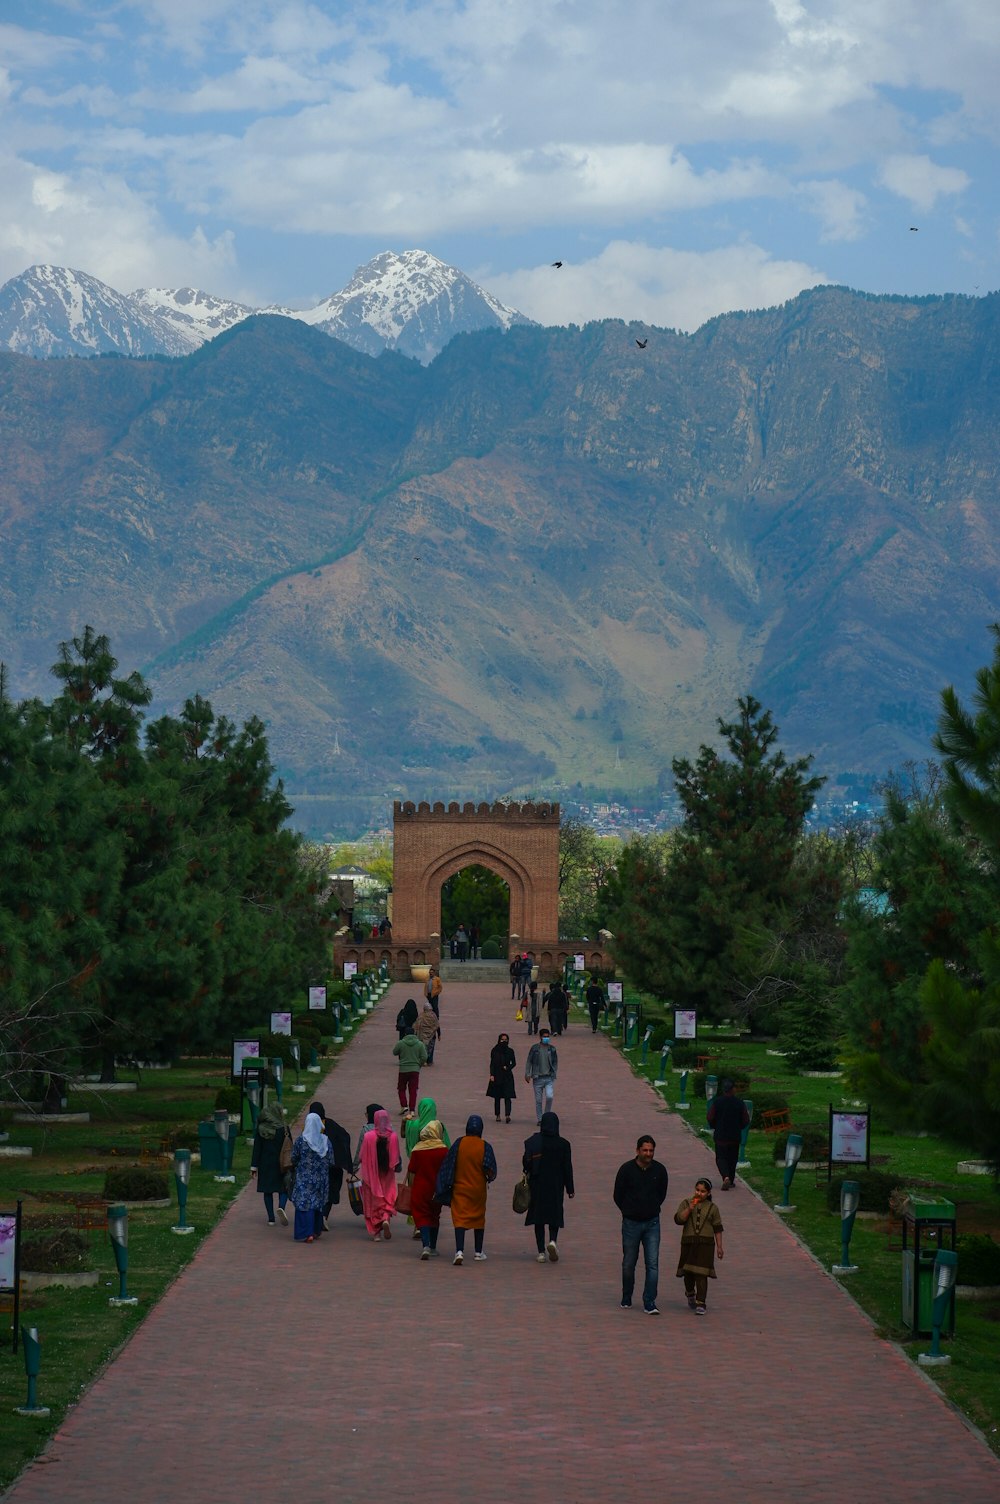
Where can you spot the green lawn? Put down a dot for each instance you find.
(972, 1381)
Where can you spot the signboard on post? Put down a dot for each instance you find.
(685, 1023)
(579, 962)
(317, 998)
(244, 1049)
(10, 1263)
(850, 1138)
(281, 1023)
(615, 992)
(350, 970)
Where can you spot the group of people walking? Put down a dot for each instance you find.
(309, 1169)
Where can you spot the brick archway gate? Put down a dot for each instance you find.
(519, 842)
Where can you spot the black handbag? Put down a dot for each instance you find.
(522, 1194)
(354, 1197)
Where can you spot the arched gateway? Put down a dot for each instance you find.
(431, 842)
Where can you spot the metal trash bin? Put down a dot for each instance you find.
(927, 1226)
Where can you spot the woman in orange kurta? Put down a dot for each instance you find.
(469, 1167)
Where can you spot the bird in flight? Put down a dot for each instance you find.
(914, 229)
(557, 263)
(642, 343)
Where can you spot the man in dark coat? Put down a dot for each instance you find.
(727, 1117)
(557, 1002)
(548, 1164)
(595, 1002)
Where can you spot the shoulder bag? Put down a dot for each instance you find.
(522, 1194)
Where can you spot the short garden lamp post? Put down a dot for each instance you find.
(945, 1277)
(338, 1029)
(182, 1174)
(253, 1099)
(793, 1153)
(645, 1042)
(711, 1092)
(278, 1072)
(222, 1129)
(118, 1233)
(296, 1052)
(664, 1063)
(32, 1364)
(682, 1102)
(850, 1196)
(743, 1163)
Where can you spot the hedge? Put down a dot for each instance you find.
(133, 1183)
(877, 1187)
(61, 1252)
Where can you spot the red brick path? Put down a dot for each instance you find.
(354, 1372)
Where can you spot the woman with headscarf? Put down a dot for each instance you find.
(310, 1161)
(501, 1084)
(466, 1170)
(426, 1113)
(701, 1240)
(407, 1017)
(339, 1159)
(265, 1161)
(368, 1126)
(426, 1159)
(379, 1163)
(548, 1164)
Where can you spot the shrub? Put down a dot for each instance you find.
(766, 1101)
(306, 1029)
(338, 992)
(877, 1187)
(63, 1251)
(737, 1073)
(815, 1139)
(978, 1259)
(227, 1099)
(133, 1183)
(685, 1052)
(491, 951)
(183, 1136)
(274, 1045)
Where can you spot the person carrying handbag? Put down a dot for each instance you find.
(271, 1160)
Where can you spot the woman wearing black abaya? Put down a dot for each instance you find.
(501, 1083)
(548, 1163)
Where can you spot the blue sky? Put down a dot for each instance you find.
(680, 158)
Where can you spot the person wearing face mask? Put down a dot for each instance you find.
(501, 1085)
(540, 1071)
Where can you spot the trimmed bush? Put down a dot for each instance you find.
(305, 1028)
(184, 1136)
(227, 1099)
(978, 1259)
(877, 1187)
(685, 1052)
(63, 1251)
(274, 1045)
(736, 1071)
(338, 992)
(133, 1183)
(491, 951)
(814, 1142)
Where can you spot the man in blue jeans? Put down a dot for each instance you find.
(640, 1191)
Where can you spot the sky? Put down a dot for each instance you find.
(680, 157)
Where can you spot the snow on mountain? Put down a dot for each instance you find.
(197, 316)
(53, 310)
(411, 302)
(407, 301)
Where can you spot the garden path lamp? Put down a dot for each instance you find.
(645, 1043)
(743, 1163)
(711, 1092)
(32, 1364)
(682, 1102)
(252, 1089)
(945, 1277)
(664, 1064)
(278, 1071)
(296, 1053)
(850, 1196)
(338, 1028)
(793, 1153)
(222, 1129)
(118, 1233)
(182, 1175)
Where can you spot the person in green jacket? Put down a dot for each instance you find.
(412, 1053)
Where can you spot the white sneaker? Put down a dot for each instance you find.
(553, 1253)
(542, 1259)
(457, 1259)
(282, 1218)
(425, 1253)
(479, 1258)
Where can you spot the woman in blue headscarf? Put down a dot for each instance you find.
(311, 1163)
(467, 1170)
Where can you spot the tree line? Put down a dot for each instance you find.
(877, 948)
(152, 897)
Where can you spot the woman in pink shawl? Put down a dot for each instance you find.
(380, 1160)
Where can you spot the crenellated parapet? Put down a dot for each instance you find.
(501, 813)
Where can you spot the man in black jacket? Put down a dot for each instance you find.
(727, 1117)
(640, 1191)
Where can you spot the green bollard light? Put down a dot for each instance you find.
(32, 1364)
(945, 1279)
(182, 1175)
(682, 1102)
(661, 1080)
(850, 1197)
(743, 1163)
(221, 1118)
(711, 1092)
(793, 1153)
(118, 1233)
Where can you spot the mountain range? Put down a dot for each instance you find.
(548, 556)
(407, 301)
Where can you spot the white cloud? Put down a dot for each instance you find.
(838, 207)
(97, 225)
(659, 286)
(919, 180)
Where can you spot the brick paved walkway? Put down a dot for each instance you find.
(354, 1372)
